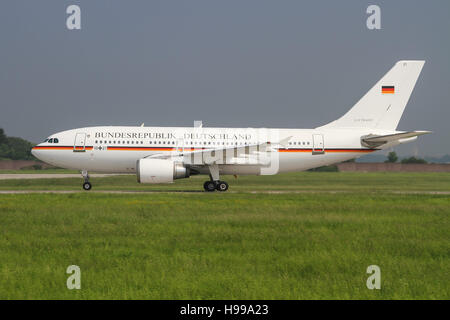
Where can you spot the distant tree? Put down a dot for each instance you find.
(392, 157)
(5, 152)
(3, 138)
(413, 160)
(20, 148)
(14, 148)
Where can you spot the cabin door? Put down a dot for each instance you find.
(318, 144)
(80, 143)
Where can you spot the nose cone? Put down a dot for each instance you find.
(36, 152)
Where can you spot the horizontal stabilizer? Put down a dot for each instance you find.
(375, 141)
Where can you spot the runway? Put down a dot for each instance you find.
(10, 176)
(201, 191)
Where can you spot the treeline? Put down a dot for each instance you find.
(393, 158)
(13, 148)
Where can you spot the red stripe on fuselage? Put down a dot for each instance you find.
(130, 148)
(60, 148)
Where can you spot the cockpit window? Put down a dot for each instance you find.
(52, 140)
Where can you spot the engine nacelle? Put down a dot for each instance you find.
(160, 171)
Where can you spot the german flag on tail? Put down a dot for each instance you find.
(387, 89)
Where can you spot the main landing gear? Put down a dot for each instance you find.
(214, 183)
(86, 185)
(211, 185)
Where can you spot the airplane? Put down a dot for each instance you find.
(163, 154)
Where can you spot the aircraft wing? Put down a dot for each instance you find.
(253, 154)
(375, 140)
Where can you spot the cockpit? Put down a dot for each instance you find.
(51, 140)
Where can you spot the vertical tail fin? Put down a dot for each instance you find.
(383, 106)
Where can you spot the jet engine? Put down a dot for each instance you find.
(160, 171)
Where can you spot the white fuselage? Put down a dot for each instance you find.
(159, 154)
(116, 149)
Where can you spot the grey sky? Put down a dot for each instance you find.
(233, 63)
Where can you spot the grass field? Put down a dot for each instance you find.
(294, 182)
(33, 171)
(314, 240)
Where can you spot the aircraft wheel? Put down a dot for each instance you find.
(87, 186)
(222, 186)
(209, 186)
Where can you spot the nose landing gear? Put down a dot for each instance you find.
(86, 185)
